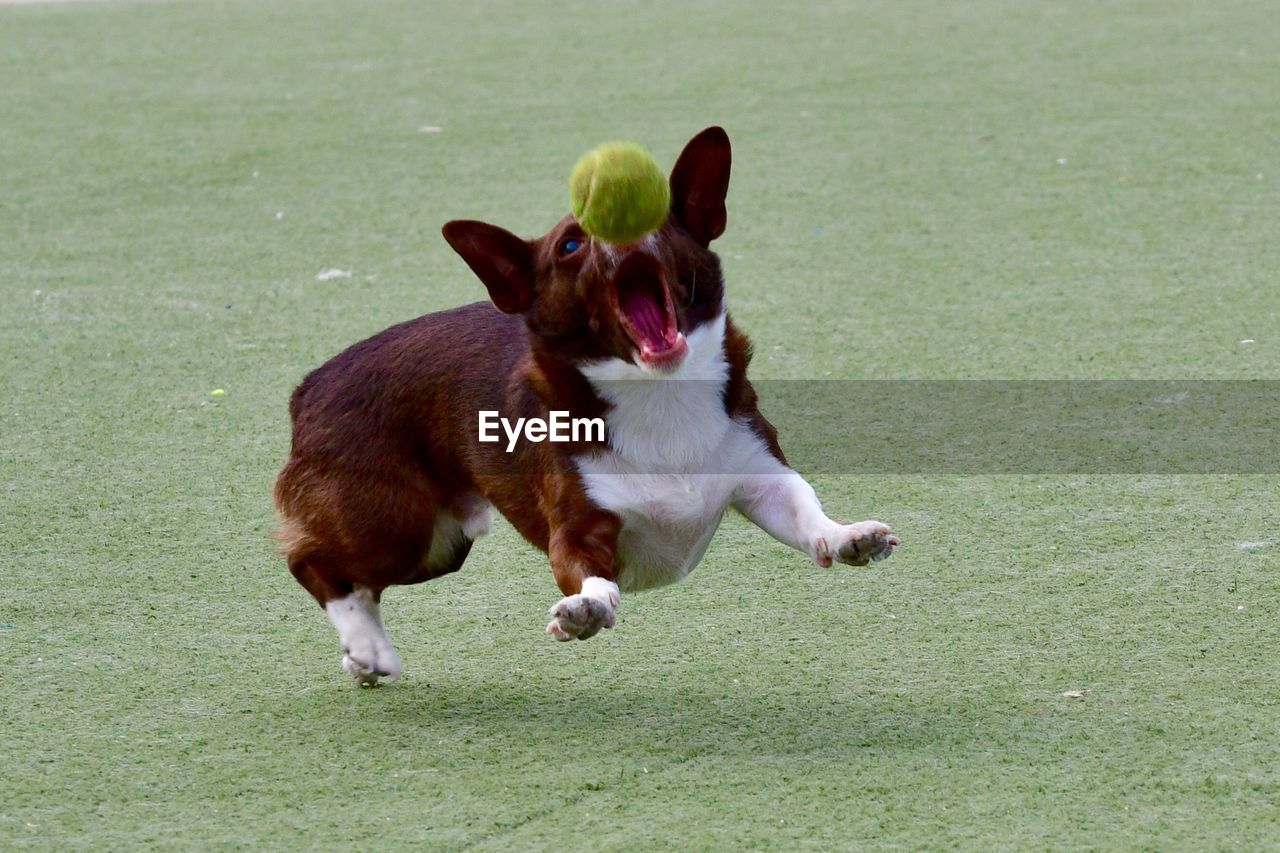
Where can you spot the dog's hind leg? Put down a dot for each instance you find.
(367, 653)
(354, 610)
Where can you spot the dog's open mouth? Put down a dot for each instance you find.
(646, 312)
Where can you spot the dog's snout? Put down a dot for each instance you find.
(611, 256)
(636, 263)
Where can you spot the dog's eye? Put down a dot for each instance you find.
(568, 246)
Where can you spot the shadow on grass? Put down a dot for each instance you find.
(680, 722)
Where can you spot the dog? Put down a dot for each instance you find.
(388, 481)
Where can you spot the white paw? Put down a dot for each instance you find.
(367, 658)
(577, 617)
(856, 544)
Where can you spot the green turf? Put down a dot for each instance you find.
(983, 189)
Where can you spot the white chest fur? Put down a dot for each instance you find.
(676, 459)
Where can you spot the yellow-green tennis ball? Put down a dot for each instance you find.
(618, 193)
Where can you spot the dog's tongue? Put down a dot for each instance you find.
(649, 318)
(644, 306)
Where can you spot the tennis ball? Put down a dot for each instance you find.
(618, 193)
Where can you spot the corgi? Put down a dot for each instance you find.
(391, 477)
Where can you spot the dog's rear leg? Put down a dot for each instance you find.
(354, 610)
(367, 653)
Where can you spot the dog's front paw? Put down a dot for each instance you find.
(857, 544)
(367, 658)
(577, 617)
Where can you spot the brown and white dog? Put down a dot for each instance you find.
(388, 483)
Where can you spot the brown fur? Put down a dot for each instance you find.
(384, 434)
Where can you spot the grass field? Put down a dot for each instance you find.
(990, 189)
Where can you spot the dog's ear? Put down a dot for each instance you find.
(499, 258)
(699, 184)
